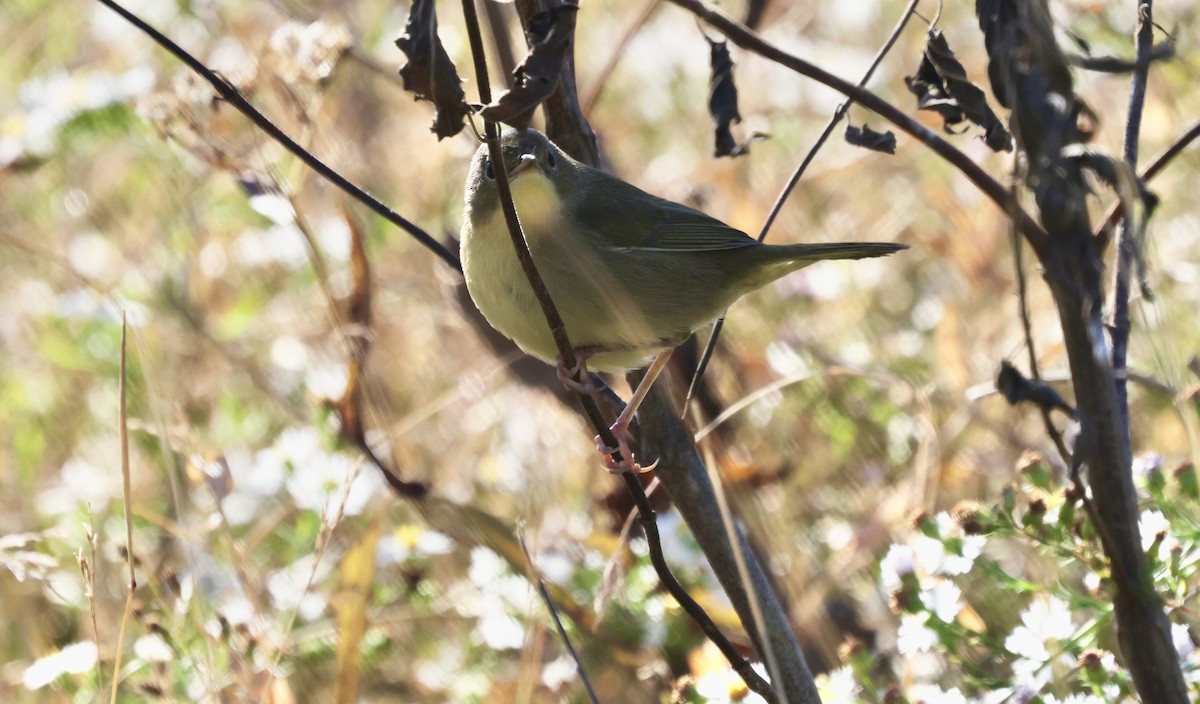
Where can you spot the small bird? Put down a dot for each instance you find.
(632, 275)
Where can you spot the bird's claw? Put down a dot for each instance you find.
(627, 464)
(568, 376)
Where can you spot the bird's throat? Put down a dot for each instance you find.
(537, 202)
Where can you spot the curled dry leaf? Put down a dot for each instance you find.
(870, 139)
(1016, 387)
(723, 101)
(941, 85)
(429, 73)
(549, 36)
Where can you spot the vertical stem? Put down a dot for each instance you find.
(1124, 250)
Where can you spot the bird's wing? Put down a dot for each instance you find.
(662, 225)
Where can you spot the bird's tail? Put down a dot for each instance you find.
(782, 259)
(837, 250)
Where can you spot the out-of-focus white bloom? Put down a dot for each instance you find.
(1150, 524)
(500, 631)
(1182, 639)
(1072, 699)
(914, 636)
(726, 687)
(559, 671)
(74, 659)
(943, 599)
(153, 648)
(838, 686)
(933, 694)
(932, 556)
(291, 588)
(1046, 619)
(328, 482)
(409, 542)
(1146, 462)
(895, 565)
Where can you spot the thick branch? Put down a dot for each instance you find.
(686, 479)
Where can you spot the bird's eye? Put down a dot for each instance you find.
(487, 170)
(551, 159)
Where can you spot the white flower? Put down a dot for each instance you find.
(895, 565)
(153, 648)
(559, 671)
(1146, 463)
(943, 600)
(1182, 640)
(913, 635)
(71, 660)
(726, 687)
(1151, 523)
(932, 556)
(838, 686)
(933, 694)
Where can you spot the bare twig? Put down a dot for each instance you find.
(1125, 255)
(231, 95)
(549, 602)
(614, 57)
(1156, 167)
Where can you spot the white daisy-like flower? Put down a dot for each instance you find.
(895, 565)
(838, 686)
(914, 636)
(943, 599)
(1151, 524)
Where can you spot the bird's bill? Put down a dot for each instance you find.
(526, 161)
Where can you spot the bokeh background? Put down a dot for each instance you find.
(863, 390)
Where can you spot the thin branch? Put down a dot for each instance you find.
(549, 602)
(1156, 167)
(1034, 371)
(1125, 248)
(231, 95)
(742, 36)
(617, 53)
(799, 171)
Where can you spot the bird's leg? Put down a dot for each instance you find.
(620, 427)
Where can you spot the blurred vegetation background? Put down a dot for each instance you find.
(867, 386)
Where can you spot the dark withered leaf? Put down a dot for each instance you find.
(1016, 388)
(870, 139)
(941, 85)
(1019, 38)
(549, 36)
(429, 73)
(723, 101)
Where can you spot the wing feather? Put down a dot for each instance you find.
(662, 225)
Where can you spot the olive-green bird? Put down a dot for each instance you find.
(632, 275)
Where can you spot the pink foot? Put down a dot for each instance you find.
(627, 463)
(568, 376)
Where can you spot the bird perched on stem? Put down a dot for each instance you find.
(632, 275)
